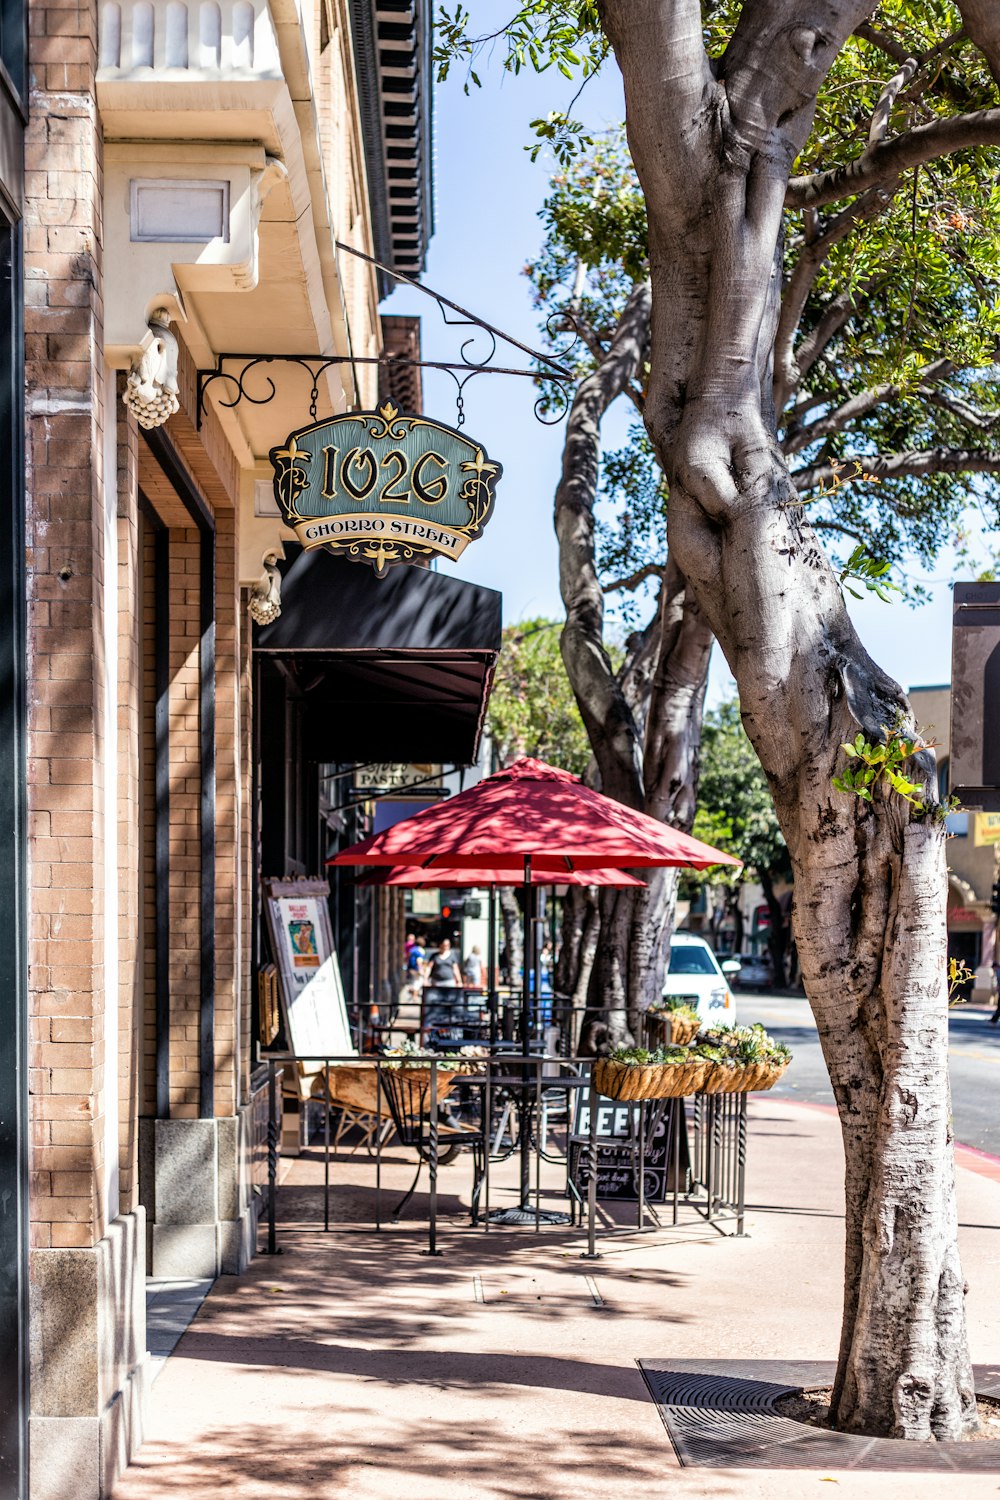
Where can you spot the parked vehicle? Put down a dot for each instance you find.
(755, 973)
(695, 975)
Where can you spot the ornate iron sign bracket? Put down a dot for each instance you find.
(244, 374)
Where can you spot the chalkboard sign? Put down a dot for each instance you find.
(617, 1129)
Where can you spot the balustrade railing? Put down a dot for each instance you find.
(700, 1143)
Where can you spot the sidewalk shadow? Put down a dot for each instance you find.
(451, 1370)
(450, 1458)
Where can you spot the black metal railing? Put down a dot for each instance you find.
(692, 1150)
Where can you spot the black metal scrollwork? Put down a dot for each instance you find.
(550, 407)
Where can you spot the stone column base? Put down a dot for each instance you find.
(89, 1366)
(194, 1181)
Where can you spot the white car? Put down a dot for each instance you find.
(694, 975)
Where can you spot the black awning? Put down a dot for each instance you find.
(396, 668)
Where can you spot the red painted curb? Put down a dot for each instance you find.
(980, 1162)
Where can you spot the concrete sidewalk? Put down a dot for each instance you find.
(354, 1366)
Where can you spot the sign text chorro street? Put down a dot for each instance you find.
(384, 488)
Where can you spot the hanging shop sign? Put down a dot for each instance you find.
(386, 777)
(384, 488)
(975, 696)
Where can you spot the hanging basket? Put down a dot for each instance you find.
(764, 1076)
(741, 1078)
(353, 1086)
(667, 1029)
(636, 1081)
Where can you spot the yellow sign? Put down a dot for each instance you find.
(987, 828)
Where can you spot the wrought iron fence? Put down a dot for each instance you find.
(674, 1151)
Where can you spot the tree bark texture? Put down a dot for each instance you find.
(511, 918)
(713, 144)
(776, 935)
(578, 939)
(644, 725)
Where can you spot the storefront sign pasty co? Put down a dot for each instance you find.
(384, 488)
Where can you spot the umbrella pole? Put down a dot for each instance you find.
(529, 932)
(491, 959)
(525, 969)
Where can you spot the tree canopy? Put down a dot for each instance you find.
(532, 709)
(820, 185)
(889, 339)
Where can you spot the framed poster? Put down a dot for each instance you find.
(313, 1005)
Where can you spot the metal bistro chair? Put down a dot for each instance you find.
(407, 1095)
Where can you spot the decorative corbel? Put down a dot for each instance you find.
(262, 181)
(151, 392)
(265, 594)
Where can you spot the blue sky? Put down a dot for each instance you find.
(487, 197)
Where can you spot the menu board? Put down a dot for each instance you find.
(312, 993)
(617, 1149)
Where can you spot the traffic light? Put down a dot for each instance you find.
(462, 906)
(995, 899)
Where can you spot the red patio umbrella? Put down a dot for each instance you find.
(535, 816)
(414, 876)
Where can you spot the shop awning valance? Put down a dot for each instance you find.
(396, 668)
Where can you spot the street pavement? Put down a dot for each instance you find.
(356, 1367)
(974, 1056)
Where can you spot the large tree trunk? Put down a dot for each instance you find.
(644, 725)
(636, 925)
(713, 146)
(512, 919)
(777, 937)
(575, 911)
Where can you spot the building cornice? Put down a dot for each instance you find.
(392, 49)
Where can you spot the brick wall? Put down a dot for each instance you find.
(147, 820)
(229, 1035)
(129, 783)
(66, 738)
(250, 889)
(185, 823)
(232, 678)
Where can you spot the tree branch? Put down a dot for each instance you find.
(664, 42)
(606, 713)
(787, 369)
(830, 323)
(979, 421)
(879, 128)
(912, 465)
(884, 40)
(676, 703)
(840, 528)
(651, 570)
(859, 406)
(590, 338)
(982, 22)
(882, 165)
